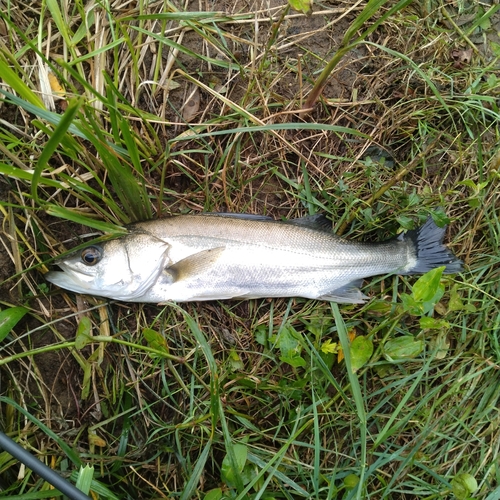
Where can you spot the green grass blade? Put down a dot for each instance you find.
(70, 453)
(94, 53)
(72, 215)
(25, 175)
(41, 112)
(131, 193)
(11, 79)
(357, 395)
(181, 48)
(85, 476)
(198, 469)
(372, 8)
(53, 143)
(60, 22)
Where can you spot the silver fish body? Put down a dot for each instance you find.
(231, 256)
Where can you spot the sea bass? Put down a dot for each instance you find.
(236, 256)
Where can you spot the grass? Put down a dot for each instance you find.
(252, 399)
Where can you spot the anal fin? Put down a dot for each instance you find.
(347, 294)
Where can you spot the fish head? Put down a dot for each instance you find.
(122, 269)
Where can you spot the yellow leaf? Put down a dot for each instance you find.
(329, 347)
(304, 6)
(352, 335)
(56, 87)
(95, 440)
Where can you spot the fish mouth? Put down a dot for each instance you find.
(76, 281)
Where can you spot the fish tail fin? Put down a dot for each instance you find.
(427, 241)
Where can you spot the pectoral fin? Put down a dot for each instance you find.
(347, 294)
(194, 264)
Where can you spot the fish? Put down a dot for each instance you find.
(216, 256)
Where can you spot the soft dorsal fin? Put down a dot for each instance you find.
(318, 222)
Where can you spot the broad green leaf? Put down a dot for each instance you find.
(432, 323)
(440, 345)
(87, 374)
(303, 6)
(329, 347)
(440, 218)
(351, 481)
(290, 347)
(295, 361)
(463, 485)
(260, 335)
(9, 319)
(411, 306)
(83, 336)
(426, 287)
(248, 473)
(228, 472)
(361, 352)
(456, 304)
(155, 340)
(405, 222)
(402, 348)
(379, 307)
(235, 360)
(288, 342)
(215, 494)
(430, 304)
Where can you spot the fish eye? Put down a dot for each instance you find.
(91, 255)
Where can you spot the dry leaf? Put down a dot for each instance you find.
(192, 105)
(461, 57)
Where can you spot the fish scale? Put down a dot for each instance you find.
(228, 256)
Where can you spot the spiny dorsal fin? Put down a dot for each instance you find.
(240, 216)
